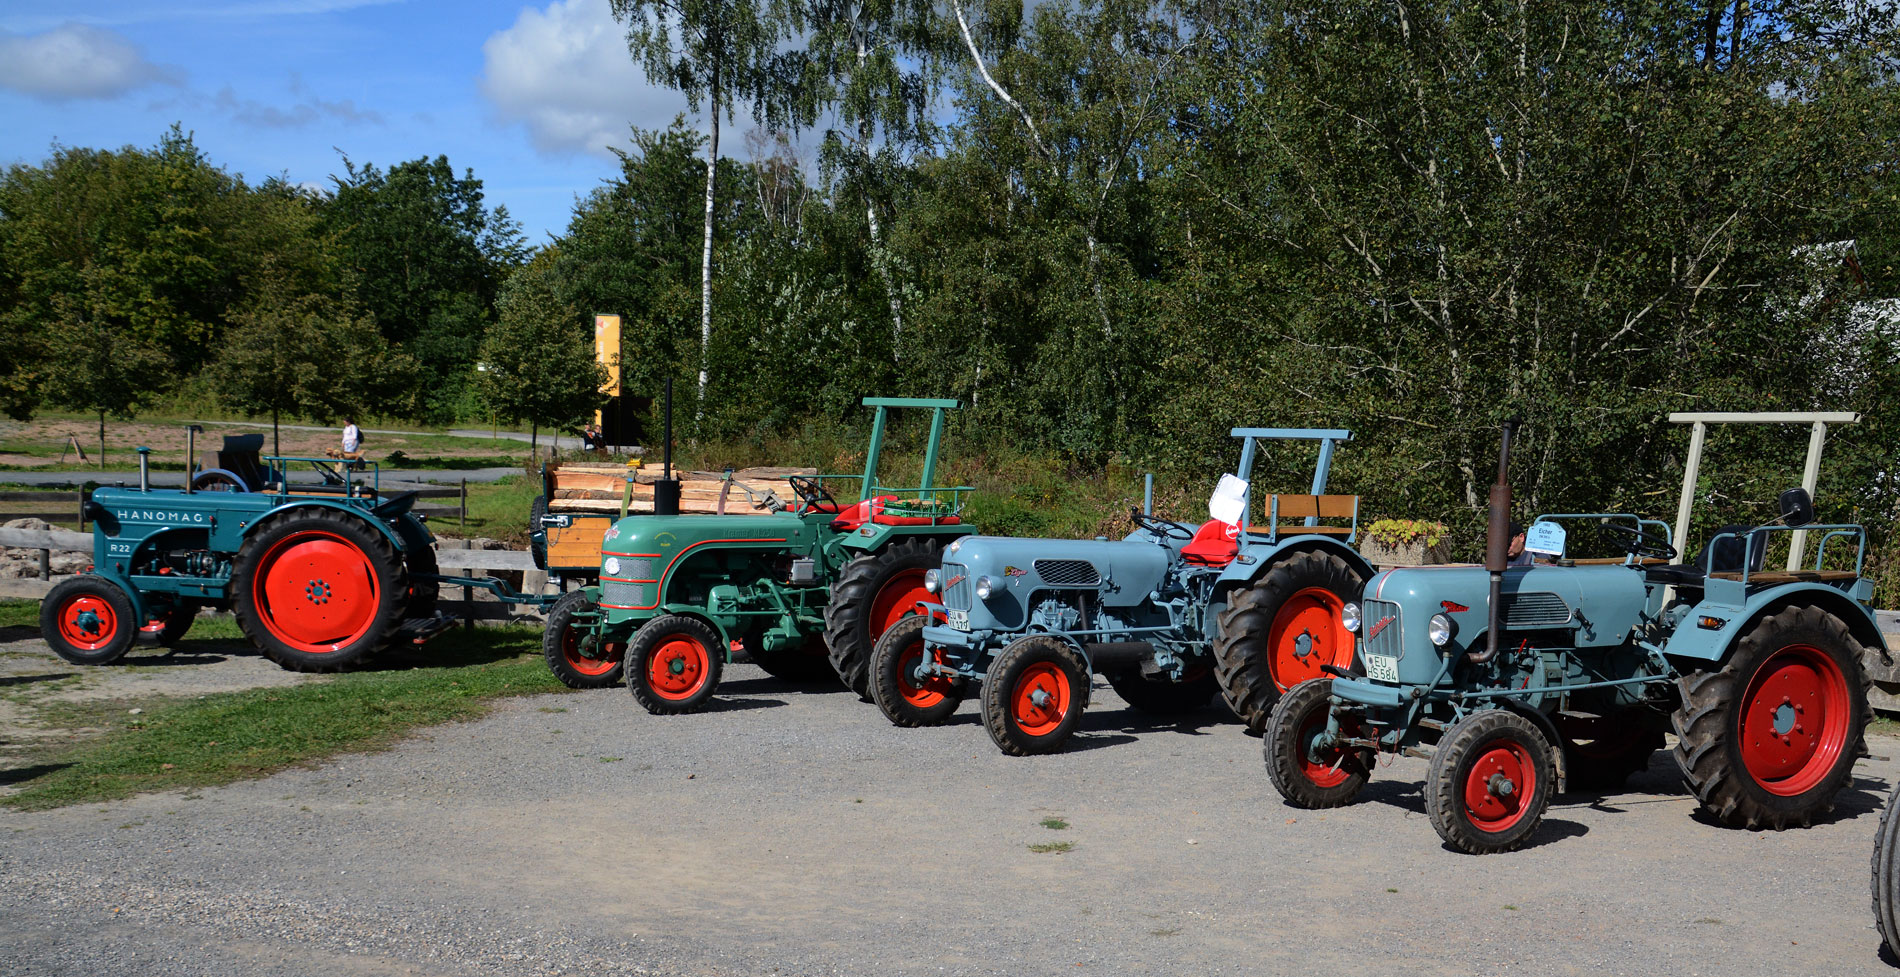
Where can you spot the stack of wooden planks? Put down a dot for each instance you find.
(597, 488)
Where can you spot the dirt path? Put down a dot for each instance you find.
(793, 831)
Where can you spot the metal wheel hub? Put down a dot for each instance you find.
(318, 591)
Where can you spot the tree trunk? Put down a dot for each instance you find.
(534, 437)
(102, 440)
(880, 258)
(705, 252)
(276, 443)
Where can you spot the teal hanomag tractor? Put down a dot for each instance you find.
(804, 586)
(1169, 615)
(318, 576)
(1513, 680)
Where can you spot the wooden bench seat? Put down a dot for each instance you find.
(1791, 576)
(1282, 508)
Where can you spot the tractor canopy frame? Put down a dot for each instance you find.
(1810, 472)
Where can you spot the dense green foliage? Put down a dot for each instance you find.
(1118, 228)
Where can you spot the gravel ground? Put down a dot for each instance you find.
(793, 831)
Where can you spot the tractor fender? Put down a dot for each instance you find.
(413, 533)
(872, 537)
(360, 513)
(227, 473)
(1255, 559)
(1699, 645)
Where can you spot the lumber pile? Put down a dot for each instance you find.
(596, 488)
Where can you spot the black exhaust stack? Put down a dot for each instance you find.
(666, 491)
(1497, 550)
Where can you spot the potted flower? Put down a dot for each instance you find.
(1405, 543)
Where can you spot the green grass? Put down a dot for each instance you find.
(1052, 847)
(1054, 824)
(220, 738)
(498, 510)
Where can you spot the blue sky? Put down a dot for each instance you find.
(526, 95)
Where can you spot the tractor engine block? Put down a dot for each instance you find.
(187, 563)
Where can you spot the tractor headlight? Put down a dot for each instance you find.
(956, 545)
(1349, 618)
(612, 566)
(930, 581)
(985, 587)
(1440, 630)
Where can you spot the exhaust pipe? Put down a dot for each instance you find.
(1497, 551)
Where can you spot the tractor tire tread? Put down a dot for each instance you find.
(852, 596)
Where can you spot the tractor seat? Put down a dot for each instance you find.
(873, 510)
(1214, 544)
(1723, 557)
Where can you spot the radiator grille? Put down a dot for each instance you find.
(957, 589)
(1542, 610)
(1385, 633)
(1068, 573)
(637, 568)
(619, 594)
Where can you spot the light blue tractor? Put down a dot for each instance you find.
(1170, 615)
(1517, 681)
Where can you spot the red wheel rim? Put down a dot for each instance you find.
(1306, 634)
(897, 600)
(920, 695)
(87, 622)
(1501, 788)
(1794, 720)
(1324, 767)
(316, 592)
(1040, 700)
(678, 668)
(571, 650)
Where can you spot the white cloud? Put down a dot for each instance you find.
(307, 110)
(565, 73)
(77, 61)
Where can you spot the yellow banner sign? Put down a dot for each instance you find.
(607, 351)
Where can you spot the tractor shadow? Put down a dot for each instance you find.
(12, 680)
(18, 632)
(721, 703)
(21, 775)
(1129, 720)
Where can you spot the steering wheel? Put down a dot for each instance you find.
(1161, 528)
(1639, 543)
(812, 493)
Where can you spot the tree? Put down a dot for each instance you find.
(95, 362)
(537, 364)
(726, 54)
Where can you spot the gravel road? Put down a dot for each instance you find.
(793, 831)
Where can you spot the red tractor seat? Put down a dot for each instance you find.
(1214, 545)
(872, 510)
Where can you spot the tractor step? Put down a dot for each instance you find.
(1434, 724)
(1416, 751)
(417, 630)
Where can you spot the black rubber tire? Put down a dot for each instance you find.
(113, 644)
(537, 533)
(1603, 758)
(1886, 875)
(1285, 748)
(178, 620)
(419, 558)
(1709, 738)
(650, 640)
(848, 633)
(1165, 697)
(887, 681)
(1241, 660)
(1008, 671)
(1466, 744)
(805, 665)
(385, 562)
(560, 645)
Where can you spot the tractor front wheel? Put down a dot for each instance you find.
(1307, 772)
(905, 699)
(1034, 695)
(88, 620)
(317, 589)
(1768, 739)
(1887, 875)
(874, 592)
(673, 664)
(1490, 782)
(577, 653)
(809, 662)
(1165, 697)
(1279, 631)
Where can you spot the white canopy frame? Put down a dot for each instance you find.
(1810, 473)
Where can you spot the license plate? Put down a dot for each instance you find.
(958, 620)
(1380, 668)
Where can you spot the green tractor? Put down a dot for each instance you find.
(804, 586)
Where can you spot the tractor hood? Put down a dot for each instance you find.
(1020, 571)
(638, 553)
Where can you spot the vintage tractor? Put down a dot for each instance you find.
(1514, 680)
(318, 576)
(803, 585)
(1169, 615)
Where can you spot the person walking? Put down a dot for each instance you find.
(352, 438)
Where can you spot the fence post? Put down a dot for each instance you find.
(465, 502)
(46, 564)
(82, 508)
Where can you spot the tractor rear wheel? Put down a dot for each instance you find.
(673, 664)
(873, 592)
(1165, 697)
(905, 699)
(1034, 695)
(1769, 738)
(810, 662)
(1277, 632)
(1306, 774)
(424, 590)
(318, 589)
(1490, 782)
(1887, 875)
(576, 655)
(1602, 753)
(88, 620)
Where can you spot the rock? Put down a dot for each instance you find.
(28, 523)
